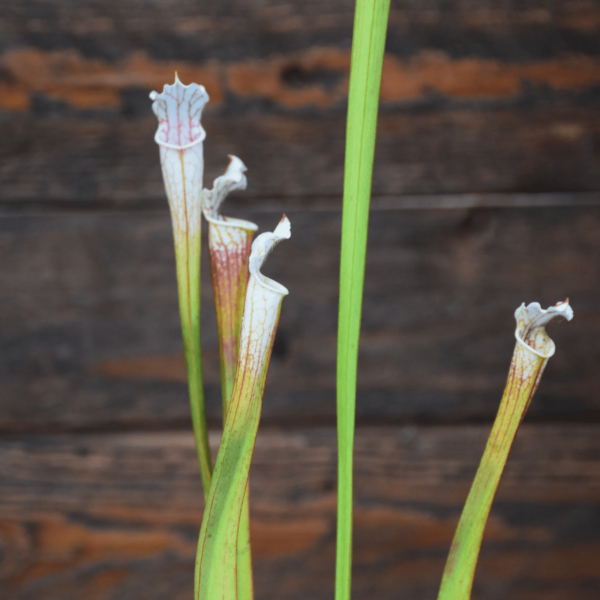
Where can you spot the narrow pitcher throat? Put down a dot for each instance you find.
(545, 355)
(230, 222)
(176, 147)
(179, 109)
(532, 320)
(269, 285)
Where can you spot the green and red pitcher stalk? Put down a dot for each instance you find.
(229, 245)
(180, 136)
(218, 545)
(247, 312)
(532, 351)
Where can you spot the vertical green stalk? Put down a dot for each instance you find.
(245, 582)
(532, 351)
(219, 543)
(187, 259)
(180, 136)
(229, 244)
(368, 45)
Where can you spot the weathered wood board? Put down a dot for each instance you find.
(483, 104)
(90, 332)
(108, 516)
(477, 96)
(236, 32)
(115, 160)
(469, 25)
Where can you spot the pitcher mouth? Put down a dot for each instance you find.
(531, 324)
(261, 248)
(231, 222)
(179, 110)
(233, 179)
(272, 285)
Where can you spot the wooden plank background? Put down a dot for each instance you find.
(486, 194)
(82, 511)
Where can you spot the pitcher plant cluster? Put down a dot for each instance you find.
(247, 308)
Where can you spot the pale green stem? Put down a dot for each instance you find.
(187, 257)
(179, 136)
(531, 354)
(245, 581)
(229, 276)
(219, 543)
(229, 244)
(368, 44)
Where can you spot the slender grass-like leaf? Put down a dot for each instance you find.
(216, 567)
(179, 136)
(229, 244)
(532, 351)
(368, 44)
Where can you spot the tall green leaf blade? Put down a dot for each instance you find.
(368, 45)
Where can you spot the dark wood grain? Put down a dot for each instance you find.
(90, 328)
(115, 160)
(478, 97)
(489, 110)
(233, 28)
(97, 473)
(119, 514)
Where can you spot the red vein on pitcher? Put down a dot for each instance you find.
(216, 566)
(229, 245)
(532, 351)
(179, 136)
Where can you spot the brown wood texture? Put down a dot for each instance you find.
(489, 132)
(101, 516)
(233, 31)
(91, 339)
(115, 160)
(478, 96)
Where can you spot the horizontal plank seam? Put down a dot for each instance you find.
(32, 208)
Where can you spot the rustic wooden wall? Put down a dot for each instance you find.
(486, 194)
